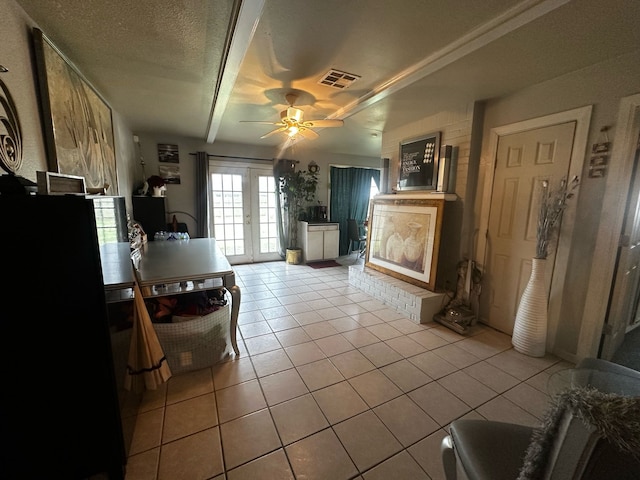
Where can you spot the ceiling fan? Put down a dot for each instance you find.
(291, 122)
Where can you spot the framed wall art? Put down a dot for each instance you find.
(419, 163)
(169, 173)
(168, 153)
(77, 121)
(404, 238)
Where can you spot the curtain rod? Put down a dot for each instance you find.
(238, 158)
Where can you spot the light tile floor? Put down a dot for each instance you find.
(330, 384)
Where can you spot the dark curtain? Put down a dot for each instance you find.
(201, 191)
(350, 189)
(282, 243)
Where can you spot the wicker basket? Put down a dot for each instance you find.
(196, 343)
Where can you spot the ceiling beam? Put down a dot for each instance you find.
(243, 25)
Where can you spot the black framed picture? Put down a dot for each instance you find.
(168, 153)
(419, 159)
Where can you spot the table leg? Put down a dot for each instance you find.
(235, 308)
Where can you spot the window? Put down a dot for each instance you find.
(111, 222)
(372, 193)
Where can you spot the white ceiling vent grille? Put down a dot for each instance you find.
(338, 79)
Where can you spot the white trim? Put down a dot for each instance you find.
(215, 161)
(582, 117)
(610, 226)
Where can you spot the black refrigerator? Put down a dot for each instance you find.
(59, 407)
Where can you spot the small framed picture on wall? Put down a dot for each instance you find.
(169, 173)
(168, 153)
(419, 159)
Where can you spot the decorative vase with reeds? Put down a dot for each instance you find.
(530, 328)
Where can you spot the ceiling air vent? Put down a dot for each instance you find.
(338, 79)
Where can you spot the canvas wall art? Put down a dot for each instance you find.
(77, 121)
(404, 238)
(168, 153)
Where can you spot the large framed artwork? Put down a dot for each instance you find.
(77, 121)
(419, 166)
(404, 238)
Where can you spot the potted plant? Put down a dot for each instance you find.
(297, 188)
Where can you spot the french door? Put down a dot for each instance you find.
(242, 210)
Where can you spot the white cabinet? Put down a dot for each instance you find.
(320, 241)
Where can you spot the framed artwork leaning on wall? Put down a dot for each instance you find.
(404, 238)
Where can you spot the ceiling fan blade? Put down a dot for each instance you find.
(323, 123)
(273, 132)
(307, 133)
(280, 124)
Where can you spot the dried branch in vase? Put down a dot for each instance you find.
(552, 205)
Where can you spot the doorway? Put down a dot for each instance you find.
(623, 314)
(623, 309)
(509, 275)
(524, 160)
(242, 206)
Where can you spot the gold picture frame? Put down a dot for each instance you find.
(77, 121)
(404, 238)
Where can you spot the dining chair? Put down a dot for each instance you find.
(356, 238)
(586, 434)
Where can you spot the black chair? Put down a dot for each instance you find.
(585, 434)
(355, 237)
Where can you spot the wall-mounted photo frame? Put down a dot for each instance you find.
(418, 161)
(170, 173)
(168, 153)
(77, 121)
(404, 238)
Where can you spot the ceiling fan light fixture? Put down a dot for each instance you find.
(292, 125)
(292, 113)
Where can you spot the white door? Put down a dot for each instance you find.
(523, 161)
(623, 314)
(243, 213)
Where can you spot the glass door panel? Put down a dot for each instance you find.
(243, 213)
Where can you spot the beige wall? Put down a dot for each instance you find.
(16, 55)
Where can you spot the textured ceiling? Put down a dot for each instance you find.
(157, 62)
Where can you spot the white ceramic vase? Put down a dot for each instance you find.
(530, 328)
